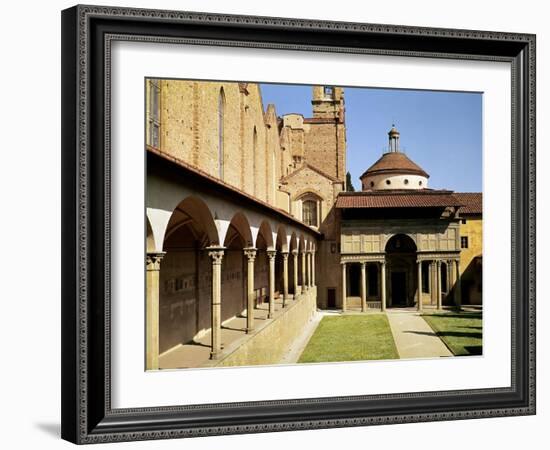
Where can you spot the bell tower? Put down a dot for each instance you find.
(328, 102)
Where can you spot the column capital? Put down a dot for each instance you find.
(271, 253)
(285, 254)
(216, 254)
(294, 252)
(153, 260)
(250, 253)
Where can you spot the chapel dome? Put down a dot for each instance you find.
(394, 170)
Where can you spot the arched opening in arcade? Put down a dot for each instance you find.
(184, 283)
(401, 282)
(233, 283)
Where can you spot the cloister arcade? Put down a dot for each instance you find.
(214, 253)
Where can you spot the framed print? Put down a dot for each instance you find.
(282, 224)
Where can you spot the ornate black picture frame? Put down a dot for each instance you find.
(87, 34)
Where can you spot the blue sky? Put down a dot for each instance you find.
(440, 131)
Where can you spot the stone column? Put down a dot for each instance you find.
(308, 270)
(313, 268)
(304, 284)
(250, 254)
(438, 283)
(216, 255)
(152, 310)
(344, 288)
(383, 287)
(285, 277)
(310, 274)
(271, 256)
(295, 270)
(451, 279)
(433, 289)
(363, 287)
(419, 305)
(458, 286)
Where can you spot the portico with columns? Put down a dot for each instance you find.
(399, 240)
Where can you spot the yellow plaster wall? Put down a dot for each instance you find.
(473, 228)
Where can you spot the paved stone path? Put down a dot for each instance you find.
(413, 336)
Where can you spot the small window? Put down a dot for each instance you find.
(309, 213)
(464, 221)
(372, 184)
(420, 183)
(388, 182)
(464, 242)
(328, 90)
(406, 181)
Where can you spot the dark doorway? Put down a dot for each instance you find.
(398, 289)
(331, 298)
(354, 288)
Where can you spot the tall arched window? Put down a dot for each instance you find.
(221, 118)
(153, 136)
(254, 158)
(309, 213)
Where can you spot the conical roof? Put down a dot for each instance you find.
(395, 163)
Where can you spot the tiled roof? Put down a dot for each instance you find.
(422, 198)
(222, 185)
(395, 162)
(472, 201)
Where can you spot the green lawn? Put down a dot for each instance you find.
(350, 338)
(462, 332)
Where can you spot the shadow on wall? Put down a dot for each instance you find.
(471, 284)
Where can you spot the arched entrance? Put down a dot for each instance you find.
(184, 283)
(401, 263)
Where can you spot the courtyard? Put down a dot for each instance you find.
(397, 334)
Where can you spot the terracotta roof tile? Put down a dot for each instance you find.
(425, 198)
(395, 162)
(223, 185)
(472, 201)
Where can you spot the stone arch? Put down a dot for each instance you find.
(239, 228)
(193, 211)
(406, 237)
(237, 237)
(293, 248)
(308, 192)
(149, 237)
(310, 204)
(265, 232)
(184, 290)
(281, 243)
(401, 276)
(264, 242)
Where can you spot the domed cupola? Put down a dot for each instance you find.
(394, 170)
